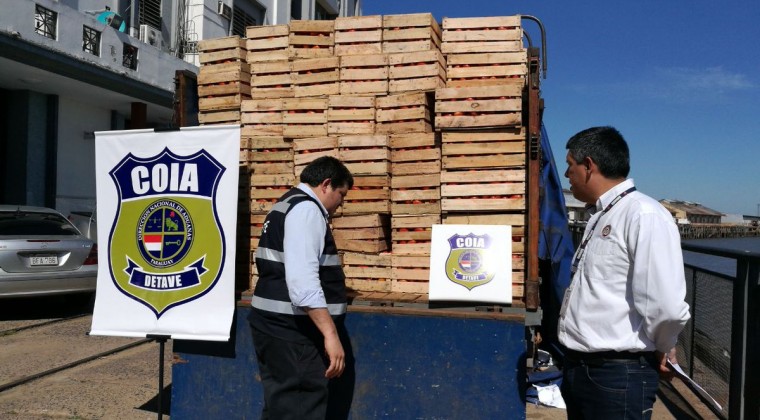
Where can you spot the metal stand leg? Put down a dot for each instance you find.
(161, 340)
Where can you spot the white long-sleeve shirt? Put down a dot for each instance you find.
(628, 291)
(304, 242)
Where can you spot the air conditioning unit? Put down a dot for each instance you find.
(224, 10)
(151, 36)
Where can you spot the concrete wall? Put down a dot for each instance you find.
(76, 154)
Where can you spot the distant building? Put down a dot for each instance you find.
(576, 209)
(687, 212)
(69, 68)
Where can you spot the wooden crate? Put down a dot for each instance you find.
(262, 117)
(410, 33)
(223, 43)
(309, 148)
(349, 114)
(358, 35)
(479, 107)
(365, 154)
(410, 273)
(412, 234)
(304, 117)
(364, 74)
(425, 70)
(416, 194)
(486, 69)
(267, 43)
(476, 191)
(481, 35)
(223, 86)
(270, 155)
(315, 76)
(362, 233)
(311, 39)
(367, 272)
(371, 194)
(218, 117)
(271, 79)
(470, 149)
(266, 189)
(415, 153)
(408, 112)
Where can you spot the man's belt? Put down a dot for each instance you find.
(600, 356)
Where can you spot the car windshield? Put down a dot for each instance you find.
(24, 223)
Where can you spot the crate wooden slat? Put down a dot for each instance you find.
(358, 35)
(219, 117)
(416, 194)
(267, 43)
(228, 88)
(486, 69)
(350, 114)
(315, 76)
(262, 117)
(224, 43)
(367, 272)
(370, 194)
(229, 76)
(304, 117)
(424, 70)
(479, 106)
(362, 233)
(410, 273)
(492, 149)
(481, 35)
(408, 112)
(311, 38)
(410, 33)
(271, 79)
(412, 234)
(483, 191)
(415, 153)
(365, 154)
(219, 103)
(309, 148)
(364, 74)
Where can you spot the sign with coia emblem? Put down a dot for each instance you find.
(167, 254)
(471, 263)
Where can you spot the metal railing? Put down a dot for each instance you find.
(719, 346)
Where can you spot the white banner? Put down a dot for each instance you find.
(471, 263)
(167, 210)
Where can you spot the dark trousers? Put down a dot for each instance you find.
(606, 388)
(293, 376)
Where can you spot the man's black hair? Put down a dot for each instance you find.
(606, 147)
(327, 167)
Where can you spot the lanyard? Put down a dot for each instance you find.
(582, 248)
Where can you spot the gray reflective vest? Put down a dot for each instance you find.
(273, 312)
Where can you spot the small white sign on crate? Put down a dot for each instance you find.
(471, 263)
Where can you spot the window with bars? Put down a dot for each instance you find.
(240, 21)
(45, 21)
(90, 40)
(150, 13)
(129, 57)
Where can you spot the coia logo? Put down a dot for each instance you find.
(467, 261)
(166, 245)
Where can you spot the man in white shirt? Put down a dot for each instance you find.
(624, 308)
(299, 302)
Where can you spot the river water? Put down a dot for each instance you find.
(720, 264)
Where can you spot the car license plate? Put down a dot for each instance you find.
(44, 260)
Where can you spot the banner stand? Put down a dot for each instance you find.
(161, 340)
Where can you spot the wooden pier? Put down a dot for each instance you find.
(710, 231)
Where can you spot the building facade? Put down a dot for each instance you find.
(69, 68)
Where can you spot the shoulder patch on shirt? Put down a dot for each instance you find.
(606, 231)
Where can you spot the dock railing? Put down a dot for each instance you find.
(720, 346)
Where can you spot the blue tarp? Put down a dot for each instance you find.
(555, 243)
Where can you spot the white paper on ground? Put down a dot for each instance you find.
(551, 396)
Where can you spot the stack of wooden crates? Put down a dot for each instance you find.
(427, 117)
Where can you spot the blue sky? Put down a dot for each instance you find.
(679, 79)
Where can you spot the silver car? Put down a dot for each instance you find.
(42, 253)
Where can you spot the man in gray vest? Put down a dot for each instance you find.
(300, 298)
